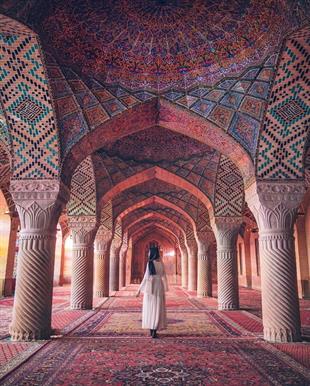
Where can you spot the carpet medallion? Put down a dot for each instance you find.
(76, 361)
(201, 346)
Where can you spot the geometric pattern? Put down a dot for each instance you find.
(229, 193)
(26, 100)
(198, 169)
(83, 190)
(106, 216)
(174, 195)
(287, 120)
(245, 129)
(84, 104)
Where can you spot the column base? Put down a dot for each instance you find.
(281, 335)
(101, 294)
(81, 306)
(227, 306)
(204, 294)
(18, 335)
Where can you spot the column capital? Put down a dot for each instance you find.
(205, 238)
(274, 204)
(44, 192)
(83, 228)
(226, 230)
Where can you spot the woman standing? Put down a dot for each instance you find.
(154, 285)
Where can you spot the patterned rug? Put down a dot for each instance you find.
(201, 346)
(165, 361)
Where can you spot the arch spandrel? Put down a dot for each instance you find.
(286, 123)
(83, 191)
(27, 103)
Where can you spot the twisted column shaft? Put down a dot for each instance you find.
(102, 260)
(192, 264)
(8, 284)
(83, 233)
(122, 265)
(184, 267)
(114, 263)
(226, 233)
(275, 207)
(204, 279)
(38, 205)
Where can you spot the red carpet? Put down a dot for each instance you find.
(201, 346)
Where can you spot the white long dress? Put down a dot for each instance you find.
(154, 316)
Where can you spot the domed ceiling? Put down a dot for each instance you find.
(157, 44)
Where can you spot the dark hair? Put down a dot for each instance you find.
(153, 255)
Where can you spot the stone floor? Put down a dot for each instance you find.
(201, 345)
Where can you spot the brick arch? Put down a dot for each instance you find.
(157, 112)
(157, 217)
(157, 200)
(133, 230)
(173, 215)
(27, 103)
(148, 229)
(161, 174)
(282, 138)
(83, 191)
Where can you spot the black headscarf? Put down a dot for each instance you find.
(153, 255)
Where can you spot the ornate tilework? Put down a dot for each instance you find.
(283, 135)
(229, 196)
(106, 216)
(27, 103)
(245, 129)
(83, 190)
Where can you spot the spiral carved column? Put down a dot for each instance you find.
(83, 234)
(204, 278)
(102, 260)
(8, 284)
(184, 263)
(38, 204)
(226, 232)
(122, 266)
(275, 207)
(114, 263)
(192, 264)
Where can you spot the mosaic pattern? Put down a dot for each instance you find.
(199, 169)
(155, 209)
(229, 197)
(183, 199)
(26, 100)
(83, 190)
(142, 44)
(154, 223)
(5, 138)
(106, 216)
(283, 136)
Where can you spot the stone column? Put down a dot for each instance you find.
(226, 232)
(192, 264)
(102, 262)
(83, 233)
(122, 265)
(275, 207)
(8, 283)
(204, 279)
(184, 263)
(39, 205)
(62, 261)
(114, 263)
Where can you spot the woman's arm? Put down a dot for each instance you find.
(164, 278)
(144, 281)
